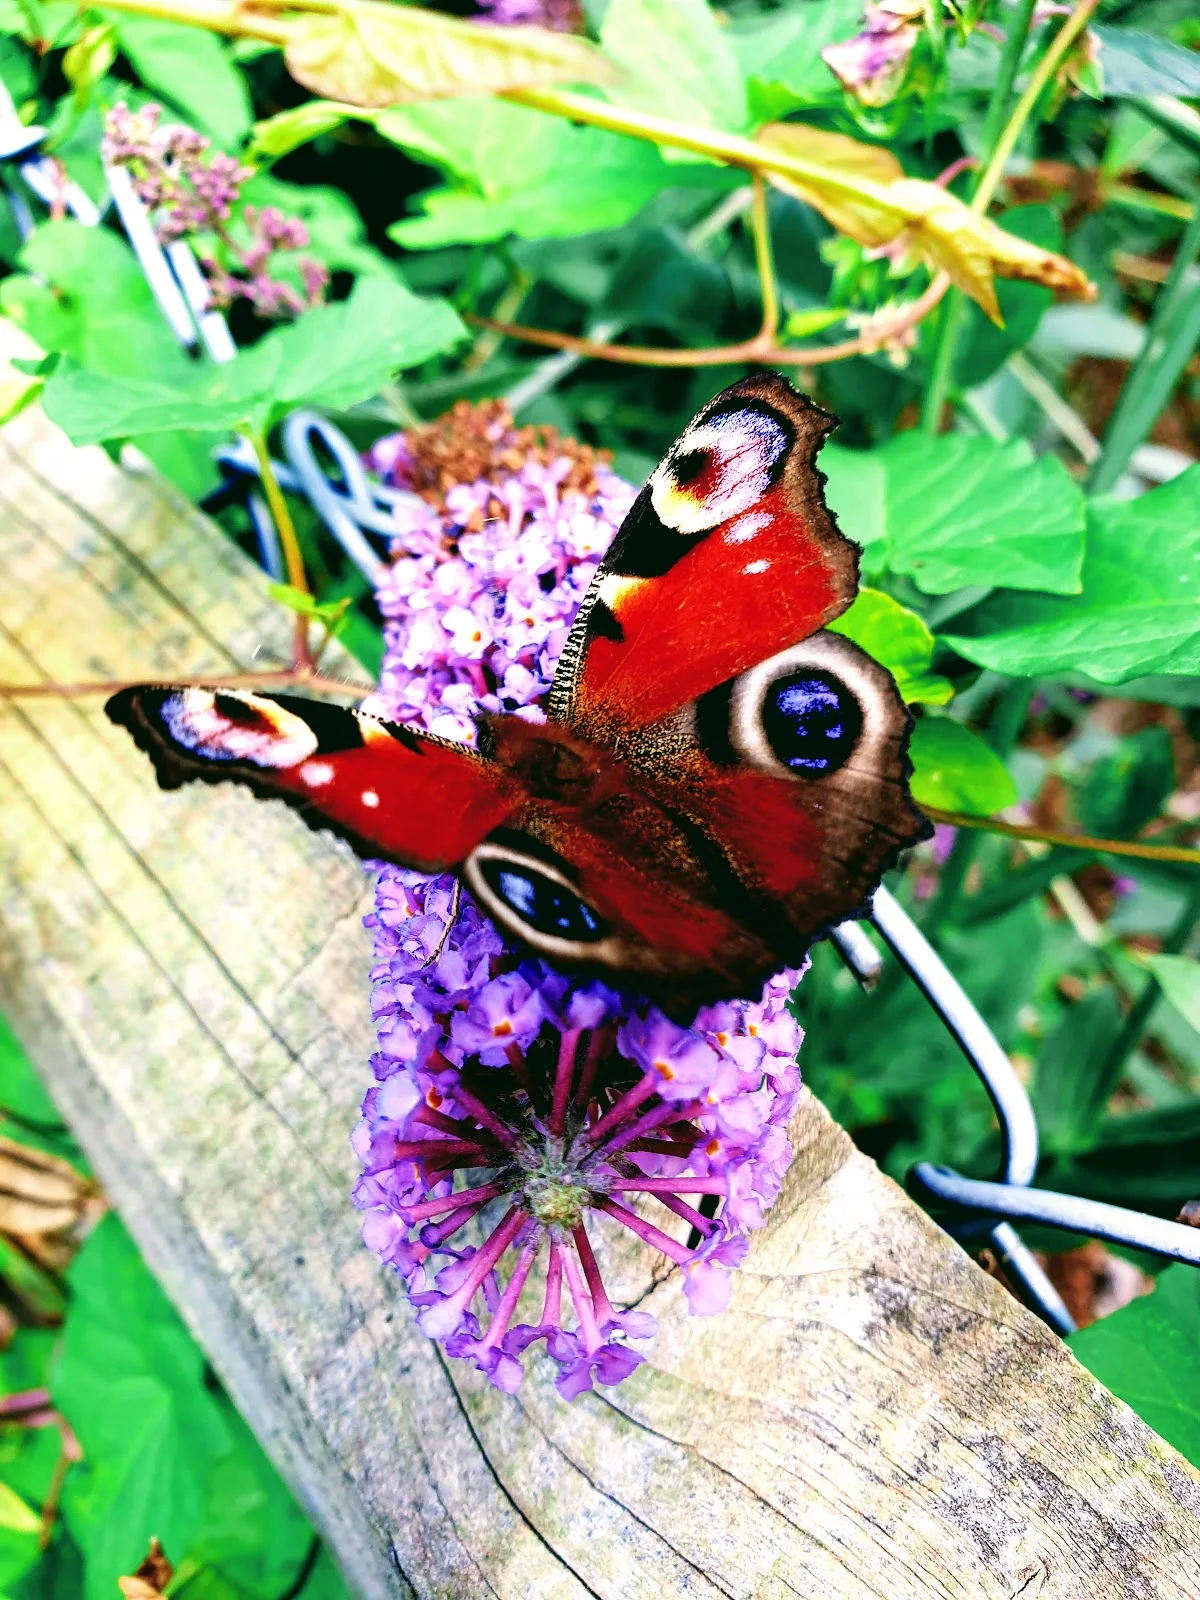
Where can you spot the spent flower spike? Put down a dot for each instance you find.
(192, 191)
(537, 1109)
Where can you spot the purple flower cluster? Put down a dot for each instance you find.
(192, 191)
(872, 66)
(563, 16)
(508, 1097)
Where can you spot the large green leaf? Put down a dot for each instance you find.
(1128, 785)
(677, 62)
(331, 357)
(193, 70)
(1148, 1354)
(130, 1381)
(1179, 980)
(83, 293)
(371, 53)
(1069, 1090)
(780, 55)
(1137, 613)
(661, 283)
(983, 347)
(521, 172)
(898, 640)
(955, 770)
(1137, 64)
(856, 490)
(965, 510)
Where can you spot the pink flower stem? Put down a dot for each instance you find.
(437, 1208)
(563, 1074)
(591, 1271)
(552, 1305)
(520, 1071)
(437, 1149)
(647, 1123)
(436, 1234)
(456, 1127)
(645, 1231)
(622, 1108)
(583, 1306)
(486, 1118)
(694, 1218)
(683, 1184)
(599, 1046)
(503, 1314)
(489, 1253)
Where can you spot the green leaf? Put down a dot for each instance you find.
(287, 130)
(954, 770)
(371, 53)
(15, 1515)
(89, 58)
(191, 67)
(856, 492)
(83, 293)
(803, 324)
(780, 55)
(1137, 612)
(1068, 1092)
(1138, 65)
(1148, 1354)
(1179, 979)
(331, 357)
(899, 640)
(330, 612)
(130, 1381)
(1128, 785)
(677, 62)
(965, 510)
(521, 172)
(661, 283)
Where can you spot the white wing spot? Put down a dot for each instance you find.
(370, 798)
(316, 773)
(753, 568)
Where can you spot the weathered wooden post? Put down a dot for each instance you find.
(872, 1417)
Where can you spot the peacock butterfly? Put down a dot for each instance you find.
(718, 781)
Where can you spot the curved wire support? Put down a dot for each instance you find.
(944, 1187)
(1018, 1126)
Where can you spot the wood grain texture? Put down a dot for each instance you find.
(872, 1417)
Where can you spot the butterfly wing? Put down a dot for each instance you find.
(388, 791)
(727, 556)
(724, 839)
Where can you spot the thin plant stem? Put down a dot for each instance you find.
(1140, 1013)
(1007, 140)
(1136, 849)
(1004, 727)
(293, 560)
(760, 228)
(1170, 340)
(872, 338)
(950, 322)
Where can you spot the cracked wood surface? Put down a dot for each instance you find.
(873, 1416)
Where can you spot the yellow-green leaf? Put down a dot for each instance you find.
(16, 1514)
(862, 190)
(89, 58)
(954, 770)
(369, 53)
(899, 640)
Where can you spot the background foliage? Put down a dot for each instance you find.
(1031, 551)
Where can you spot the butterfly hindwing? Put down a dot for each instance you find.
(728, 555)
(389, 791)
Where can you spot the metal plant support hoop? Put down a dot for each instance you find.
(359, 513)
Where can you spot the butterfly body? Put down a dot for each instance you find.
(718, 780)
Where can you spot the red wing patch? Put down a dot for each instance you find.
(390, 792)
(727, 556)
